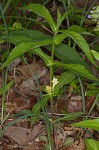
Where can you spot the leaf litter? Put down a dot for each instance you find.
(19, 98)
(22, 97)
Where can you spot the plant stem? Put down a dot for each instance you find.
(93, 105)
(4, 71)
(4, 76)
(51, 97)
(85, 13)
(8, 3)
(82, 93)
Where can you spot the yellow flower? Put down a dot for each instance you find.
(54, 81)
(48, 88)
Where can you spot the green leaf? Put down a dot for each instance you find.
(37, 107)
(43, 12)
(60, 18)
(62, 51)
(22, 48)
(17, 51)
(70, 116)
(68, 54)
(45, 57)
(6, 87)
(77, 69)
(93, 124)
(25, 35)
(59, 38)
(81, 42)
(18, 39)
(92, 144)
(77, 29)
(95, 54)
(64, 78)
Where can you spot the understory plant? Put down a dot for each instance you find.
(69, 59)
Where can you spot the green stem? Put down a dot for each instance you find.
(93, 105)
(7, 6)
(51, 97)
(82, 93)
(4, 71)
(4, 76)
(85, 13)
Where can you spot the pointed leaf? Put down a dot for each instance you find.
(43, 12)
(60, 18)
(68, 54)
(80, 41)
(77, 69)
(92, 144)
(64, 78)
(62, 51)
(18, 39)
(22, 48)
(59, 38)
(93, 124)
(17, 51)
(45, 57)
(77, 29)
(6, 87)
(33, 35)
(70, 116)
(95, 54)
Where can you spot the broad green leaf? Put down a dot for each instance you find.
(81, 42)
(59, 38)
(46, 58)
(17, 51)
(6, 87)
(77, 69)
(43, 12)
(93, 124)
(18, 39)
(92, 144)
(22, 48)
(64, 78)
(68, 54)
(77, 29)
(95, 54)
(62, 51)
(70, 116)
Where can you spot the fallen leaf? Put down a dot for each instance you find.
(74, 103)
(23, 135)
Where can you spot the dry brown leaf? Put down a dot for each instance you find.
(33, 69)
(74, 103)
(23, 135)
